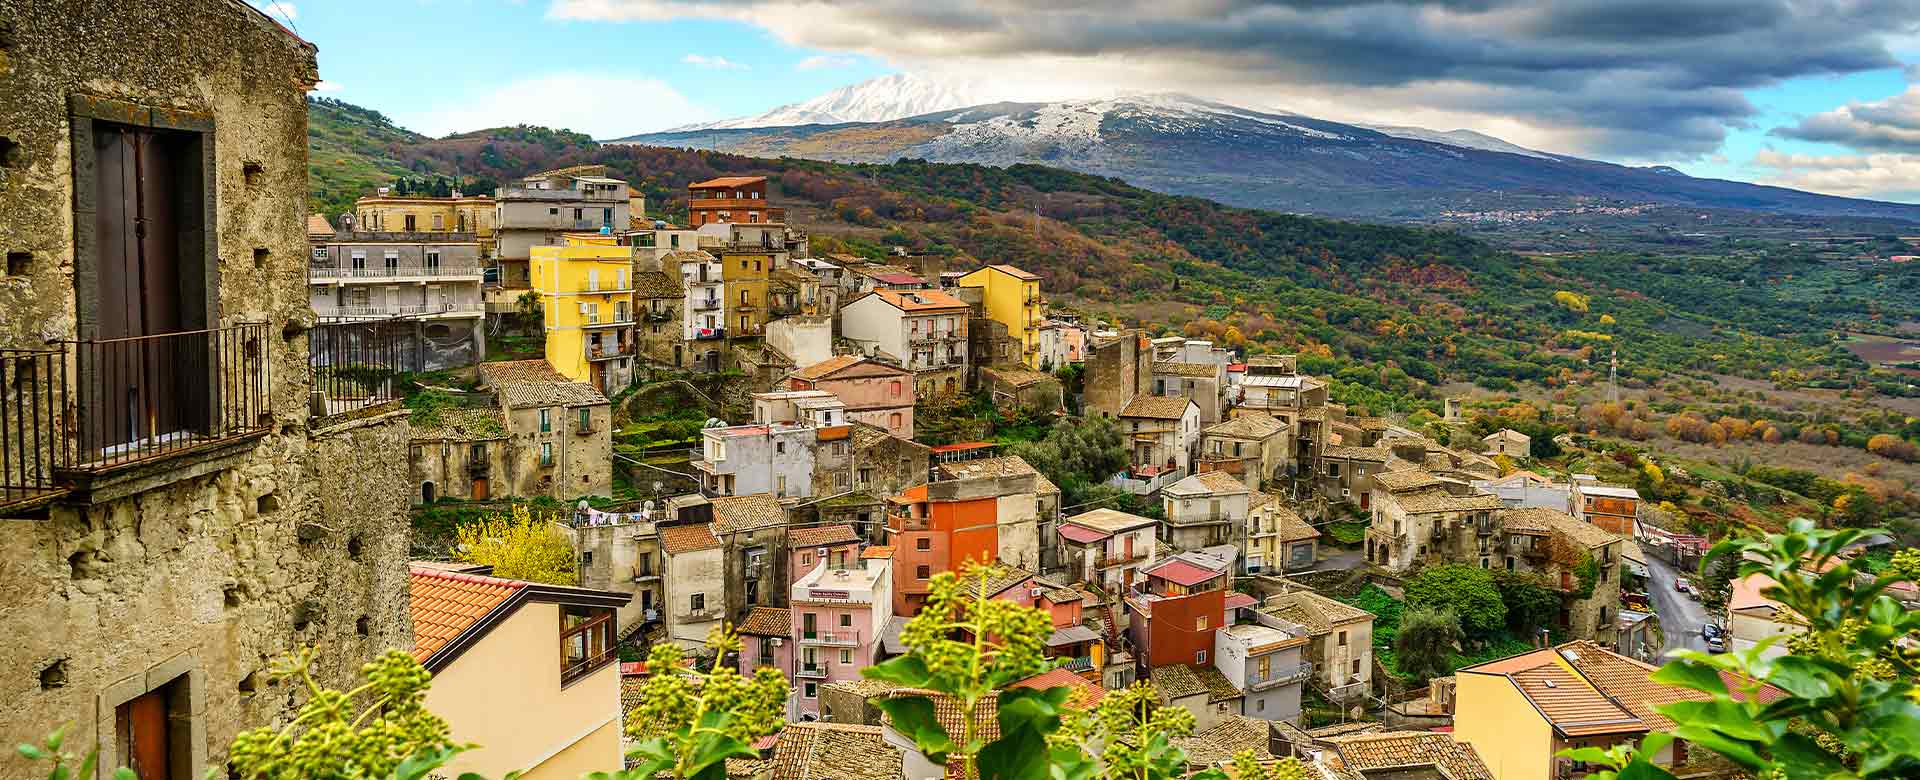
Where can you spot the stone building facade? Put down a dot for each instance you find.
(559, 432)
(161, 587)
(1119, 369)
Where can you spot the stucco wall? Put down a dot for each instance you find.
(703, 572)
(1502, 726)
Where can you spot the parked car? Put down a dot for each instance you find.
(1683, 587)
(1716, 644)
(1711, 631)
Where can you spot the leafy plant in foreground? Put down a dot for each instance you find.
(692, 722)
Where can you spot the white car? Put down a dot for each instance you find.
(1681, 585)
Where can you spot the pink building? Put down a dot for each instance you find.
(838, 545)
(765, 640)
(874, 393)
(837, 614)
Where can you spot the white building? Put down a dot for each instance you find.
(696, 583)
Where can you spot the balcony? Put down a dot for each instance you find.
(78, 409)
(1280, 676)
(815, 669)
(614, 195)
(392, 310)
(707, 304)
(394, 273)
(847, 637)
(579, 668)
(1106, 560)
(657, 316)
(615, 320)
(707, 334)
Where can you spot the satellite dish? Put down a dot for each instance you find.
(583, 505)
(714, 422)
(647, 507)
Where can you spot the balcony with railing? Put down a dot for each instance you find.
(816, 669)
(1107, 560)
(1278, 676)
(385, 273)
(76, 410)
(848, 637)
(356, 364)
(614, 195)
(574, 669)
(458, 309)
(706, 304)
(705, 334)
(615, 320)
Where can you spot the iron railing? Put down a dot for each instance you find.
(90, 405)
(355, 364)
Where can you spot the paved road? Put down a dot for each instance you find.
(1341, 559)
(1680, 615)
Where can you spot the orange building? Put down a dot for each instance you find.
(932, 536)
(740, 199)
(1175, 616)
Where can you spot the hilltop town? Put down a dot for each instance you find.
(533, 437)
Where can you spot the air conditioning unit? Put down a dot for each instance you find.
(1346, 493)
(822, 552)
(1036, 592)
(777, 641)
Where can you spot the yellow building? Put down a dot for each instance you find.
(586, 300)
(407, 214)
(526, 671)
(1012, 298)
(745, 276)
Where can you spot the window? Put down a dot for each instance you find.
(1343, 639)
(780, 487)
(439, 222)
(586, 558)
(1200, 657)
(743, 298)
(546, 421)
(866, 476)
(411, 226)
(780, 447)
(1356, 667)
(923, 543)
(922, 572)
(894, 420)
(433, 259)
(1266, 666)
(846, 656)
(553, 211)
(696, 602)
(359, 259)
(586, 641)
(392, 259)
(810, 690)
(546, 453)
(895, 389)
(586, 419)
(577, 214)
(846, 620)
(1260, 705)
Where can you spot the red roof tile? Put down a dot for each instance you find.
(1081, 534)
(679, 539)
(1181, 572)
(445, 604)
(1240, 601)
(1088, 694)
(821, 536)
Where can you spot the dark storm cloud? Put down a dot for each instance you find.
(1641, 77)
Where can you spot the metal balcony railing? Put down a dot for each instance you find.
(843, 636)
(707, 304)
(360, 363)
(325, 273)
(391, 310)
(813, 669)
(83, 406)
(578, 668)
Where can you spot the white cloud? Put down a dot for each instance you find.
(278, 9)
(715, 62)
(327, 86)
(1883, 176)
(822, 62)
(598, 105)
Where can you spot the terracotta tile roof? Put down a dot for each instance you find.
(1368, 454)
(1013, 272)
(683, 539)
(1248, 425)
(1363, 755)
(1190, 370)
(657, 284)
(1000, 578)
(474, 424)
(768, 621)
(726, 181)
(1158, 407)
(1404, 479)
(821, 536)
(1219, 688)
(1003, 466)
(1507, 434)
(919, 300)
(1177, 682)
(1233, 734)
(946, 710)
(1572, 704)
(1208, 482)
(1292, 528)
(1437, 499)
(1630, 682)
(526, 384)
(1112, 521)
(1017, 377)
(445, 604)
(1081, 534)
(834, 751)
(827, 366)
(1585, 533)
(878, 551)
(1526, 520)
(735, 514)
(1317, 613)
(318, 225)
(1086, 694)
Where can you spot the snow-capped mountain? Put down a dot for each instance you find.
(895, 96)
(1264, 159)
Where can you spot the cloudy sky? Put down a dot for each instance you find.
(1814, 94)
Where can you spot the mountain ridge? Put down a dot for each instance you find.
(880, 99)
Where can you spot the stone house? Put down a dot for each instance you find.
(1267, 664)
(1508, 442)
(775, 457)
(1527, 489)
(433, 278)
(874, 393)
(1119, 369)
(621, 553)
(468, 628)
(988, 340)
(924, 331)
(1273, 384)
(1107, 547)
(1339, 639)
(1418, 517)
(805, 339)
(560, 432)
(457, 453)
(703, 324)
(753, 529)
(1205, 510)
(856, 467)
(1277, 538)
(659, 335)
(1198, 688)
(160, 560)
(1253, 446)
(696, 583)
(1021, 388)
(1202, 383)
(1556, 546)
(1165, 432)
(1346, 473)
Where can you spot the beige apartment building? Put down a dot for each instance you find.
(384, 212)
(539, 209)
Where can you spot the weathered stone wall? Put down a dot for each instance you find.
(213, 565)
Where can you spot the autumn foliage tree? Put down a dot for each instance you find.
(519, 546)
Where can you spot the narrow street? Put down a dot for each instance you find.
(1680, 615)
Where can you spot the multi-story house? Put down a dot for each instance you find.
(831, 280)
(1202, 383)
(1107, 547)
(1273, 384)
(703, 325)
(1346, 473)
(586, 306)
(745, 268)
(838, 545)
(753, 529)
(1418, 517)
(153, 143)
(430, 278)
(1164, 432)
(1119, 370)
(1508, 442)
(1554, 545)
(814, 407)
(1277, 538)
(1521, 712)
(1252, 446)
(731, 199)
(776, 458)
(1615, 508)
(1174, 614)
(385, 212)
(696, 582)
(540, 209)
(460, 453)
(659, 330)
(1205, 510)
(839, 613)
(984, 512)
(566, 696)
(1267, 664)
(1339, 639)
(560, 432)
(621, 553)
(860, 279)
(1011, 297)
(924, 331)
(874, 393)
(1527, 489)
(1753, 617)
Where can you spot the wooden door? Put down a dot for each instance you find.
(480, 489)
(142, 724)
